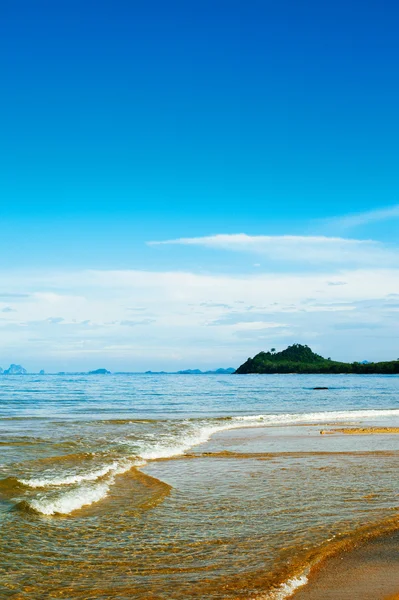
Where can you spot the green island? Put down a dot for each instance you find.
(301, 359)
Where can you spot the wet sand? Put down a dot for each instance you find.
(369, 571)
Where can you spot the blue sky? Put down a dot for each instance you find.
(258, 138)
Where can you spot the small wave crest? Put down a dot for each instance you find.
(319, 417)
(42, 482)
(179, 444)
(195, 433)
(70, 501)
(286, 589)
(58, 501)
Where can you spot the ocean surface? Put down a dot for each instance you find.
(183, 486)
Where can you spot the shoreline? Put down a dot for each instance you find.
(340, 568)
(368, 570)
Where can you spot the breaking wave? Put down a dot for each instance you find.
(199, 432)
(71, 479)
(65, 502)
(286, 589)
(70, 501)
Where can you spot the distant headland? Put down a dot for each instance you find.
(301, 359)
(13, 370)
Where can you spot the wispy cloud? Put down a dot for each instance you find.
(13, 296)
(364, 218)
(130, 323)
(291, 248)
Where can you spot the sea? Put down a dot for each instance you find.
(188, 486)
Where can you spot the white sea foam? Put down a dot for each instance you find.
(320, 417)
(72, 500)
(51, 480)
(285, 590)
(81, 495)
(196, 434)
(179, 444)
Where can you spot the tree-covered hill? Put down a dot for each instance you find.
(301, 359)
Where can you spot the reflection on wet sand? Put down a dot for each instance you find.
(271, 455)
(369, 571)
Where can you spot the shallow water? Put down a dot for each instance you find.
(186, 486)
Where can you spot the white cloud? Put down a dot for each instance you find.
(247, 312)
(294, 249)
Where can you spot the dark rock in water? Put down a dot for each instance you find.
(99, 372)
(15, 370)
(320, 388)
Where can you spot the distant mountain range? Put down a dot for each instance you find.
(228, 371)
(19, 370)
(297, 358)
(185, 372)
(301, 359)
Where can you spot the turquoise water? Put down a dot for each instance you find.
(182, 396)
